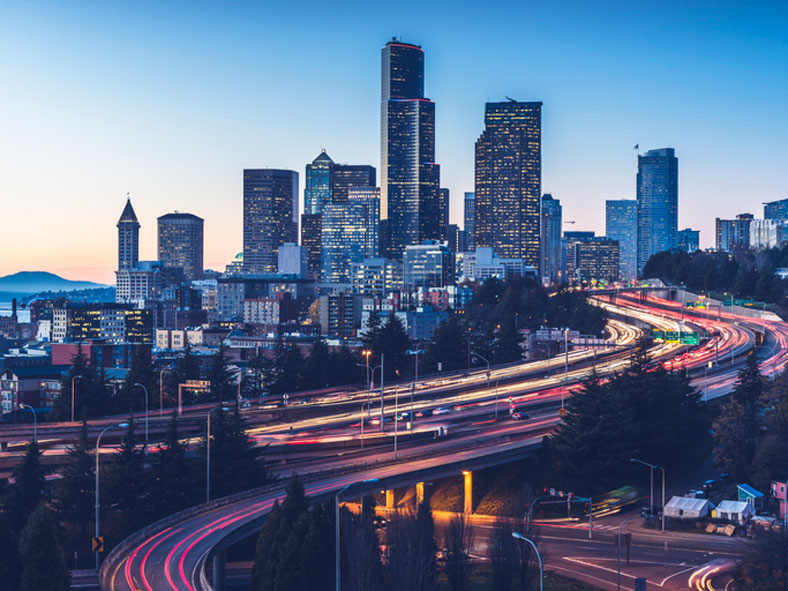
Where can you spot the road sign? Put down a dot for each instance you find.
(672, 336)
(659, 335)
(97, 544)
(689, 338)
(562, 412)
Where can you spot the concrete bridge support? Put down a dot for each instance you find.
(389, 499)
(419, 493)
(219, 564)
(467, 476)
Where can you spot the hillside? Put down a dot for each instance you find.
(29, 282)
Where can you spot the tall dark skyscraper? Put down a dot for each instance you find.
(469, 206)
(311, 236)
(550, 231)
(348, 176)
(621, 223)
(658, 203)
(181, 243)
(318, 183)
(270, 216)
(410, 178)
(508, 180)
(128, 238)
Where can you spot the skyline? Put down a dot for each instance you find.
(110, 99)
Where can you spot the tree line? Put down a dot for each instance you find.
(138, 486)
(295, 550)
(747, 275)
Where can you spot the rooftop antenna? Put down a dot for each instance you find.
(511, 100)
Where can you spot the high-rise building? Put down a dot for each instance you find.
(350, 232)
(345, 177)
(768, 233)
(318, 183)
(181, 243)
(658, 203)
(733, 235)
(597, 259)
(689, 240)
(128, 238)
(427, 265)
(776, 210)
(410, 177)
(468, 213)
(443, 212)
(621, 223)
(569, 261)
(270, 216)
(508, 180)
(550, 231)
(311, 237)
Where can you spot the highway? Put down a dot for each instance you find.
(171, 555)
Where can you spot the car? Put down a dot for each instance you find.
(403, 416)
(441, 410)
(376, 421)
(520, 415)
(709, 484)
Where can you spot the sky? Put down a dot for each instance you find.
(170, 101)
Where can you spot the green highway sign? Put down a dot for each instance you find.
(689, 338)
(659, 335)
(672, 336)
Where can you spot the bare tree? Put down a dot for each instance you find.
(458, 541)
(411, 550)
(362, 550)
(504, 556)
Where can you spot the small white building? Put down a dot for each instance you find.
(688, 508)
(739, 511)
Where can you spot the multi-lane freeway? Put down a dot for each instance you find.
(172, 555)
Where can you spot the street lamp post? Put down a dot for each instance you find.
(488, 381)
(663, 498)
(618, 551)
(35, 421)
(366, 353)
(98, 443)
(208, 452)
(369, 402)
(144, 389)
(415, 354)
(336, 520)
(651, 490)
(519, 536)
(73, 382)
(161, 388)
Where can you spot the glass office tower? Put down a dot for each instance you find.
(508, 180)
(621, 223)
(270, 216)
(550, 230)
(658, 203)
(410, 178)
(181, 243)
(468, 213)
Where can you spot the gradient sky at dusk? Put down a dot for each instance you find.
(169, 101)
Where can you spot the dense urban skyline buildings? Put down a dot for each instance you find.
(657, 203)
(409, 175)
(550, 227)
(508, 180)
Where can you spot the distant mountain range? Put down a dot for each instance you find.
(30, 282)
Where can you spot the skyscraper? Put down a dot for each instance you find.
(318, 183)
(508, 180)
(733, 235)
(311, 236)
(550, 236)
(181, 243)
(347, 176)
(349, 234)
(658, 203)
(128, 238)
(468, 213)
(410, 178)
(776, 210)
(270, 216)
(621, 223)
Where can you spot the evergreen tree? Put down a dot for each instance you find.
(224, 381)
(749, 385)
(173, 478)
(234, 466)
(75, 490)
(9, 556)
(91, 395)
(41, 556)
(389, 339)
(27, 489)
(765, 566)
(506, 348)
(186, 367)
(342, 368)
(735, 439)
(126, 483)
(130, 397)
(286, 373)
(448, 347)
(317, 367)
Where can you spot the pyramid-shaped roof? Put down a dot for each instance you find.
(128, 214)
(323, 157)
